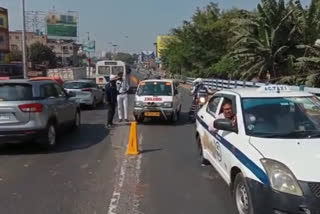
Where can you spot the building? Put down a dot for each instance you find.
(15, 38)
(4, 36)
(67, 51)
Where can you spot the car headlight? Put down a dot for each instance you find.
(167, 104)
(139, 104)
(202, 100)
(281, 178)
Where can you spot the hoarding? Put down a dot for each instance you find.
(162, 42)
(4, 33)
(3, 18)
(62, 26)
(89, 46)
(147, 56)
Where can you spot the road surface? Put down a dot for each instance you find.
(88, 172)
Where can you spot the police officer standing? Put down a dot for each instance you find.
(111, 98)
(123, 89)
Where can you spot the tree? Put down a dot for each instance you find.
(126, 57)
(40, 54)
(15, 56)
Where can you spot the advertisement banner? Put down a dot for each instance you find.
(62, 26)
(162, 42)
(3, 18)
(89, 46)
(147, 56)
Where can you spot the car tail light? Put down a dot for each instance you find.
(32, 107)
(87, 90)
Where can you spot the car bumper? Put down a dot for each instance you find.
(21, 135)
(267, 201)
(165, 113)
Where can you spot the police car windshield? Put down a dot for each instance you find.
(155, 89)
(286, 117)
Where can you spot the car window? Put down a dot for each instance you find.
(213, 105)
(48, 91)
(15, 92)
(60, 91)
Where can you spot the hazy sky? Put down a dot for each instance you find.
(132, 24)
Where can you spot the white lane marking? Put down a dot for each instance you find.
(136, 198)
(114, 202)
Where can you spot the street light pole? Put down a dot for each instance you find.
(24, 52)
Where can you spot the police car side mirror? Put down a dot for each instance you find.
(225, 125)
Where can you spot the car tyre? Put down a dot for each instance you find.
(94, 104)
(51, 136)
(241, 195)
(139, 119)
(203, 161)
(77, 121)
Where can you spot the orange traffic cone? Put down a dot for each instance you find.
(133, 140)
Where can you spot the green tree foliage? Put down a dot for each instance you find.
(15, 56)
(40, 54)
(277, 38)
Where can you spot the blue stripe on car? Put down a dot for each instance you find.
(256, 170)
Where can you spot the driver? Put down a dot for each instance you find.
(227, 113)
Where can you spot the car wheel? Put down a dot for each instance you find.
(241, 195)
(94, 104)
(139, 119)
(77, 121)
(203, 161)
(51, 136)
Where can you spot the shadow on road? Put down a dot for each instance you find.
(150, 150)
(183, 120)
(87, 136)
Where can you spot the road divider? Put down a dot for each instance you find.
(133, 140)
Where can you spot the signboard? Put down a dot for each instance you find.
(147, 56)
(62, 26)
(162, 42)
(89, 46)
(4, 33)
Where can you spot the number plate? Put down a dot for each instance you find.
(4, 116)
(152, 114)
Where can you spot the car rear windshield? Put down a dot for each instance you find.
(78, 85)
(155, 89)
(15, 92)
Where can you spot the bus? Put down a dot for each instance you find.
(106, 68)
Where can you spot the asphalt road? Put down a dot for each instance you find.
(89, 173)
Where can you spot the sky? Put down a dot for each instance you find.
(131, 24)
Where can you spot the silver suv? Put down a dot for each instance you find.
(35, 111)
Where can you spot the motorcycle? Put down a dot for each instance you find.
(199, 100)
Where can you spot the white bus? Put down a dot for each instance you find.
(106, 68)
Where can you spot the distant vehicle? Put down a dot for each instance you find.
(86, 91)
(35, 111)
(68, 74)
(57, 79)
(264, 143)
(11, 71)
(106, 68)
(157, 99)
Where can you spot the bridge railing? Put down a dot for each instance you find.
(220, 84)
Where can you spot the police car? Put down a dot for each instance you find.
(267, 148)
(157, 99)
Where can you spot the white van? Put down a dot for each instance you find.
(157, 99)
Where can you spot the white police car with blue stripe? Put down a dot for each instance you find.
(265, 143)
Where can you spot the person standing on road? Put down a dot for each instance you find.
(111, 99)
(123, 89)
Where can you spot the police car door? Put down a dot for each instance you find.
(208, 117)
(225, 137)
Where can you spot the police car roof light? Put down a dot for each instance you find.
(274, 88)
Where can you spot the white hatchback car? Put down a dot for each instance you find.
(269, 152)
(86, 91)
(157, 99)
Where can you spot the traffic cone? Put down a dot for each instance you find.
(133, 140)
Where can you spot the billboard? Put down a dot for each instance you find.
(62, 26)
(147, 56)
(3, 18)
(162, 42)
(89, 46)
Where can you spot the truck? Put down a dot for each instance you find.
(68, 74)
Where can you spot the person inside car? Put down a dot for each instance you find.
(226, 113)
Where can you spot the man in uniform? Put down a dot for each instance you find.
(123, 89)
(111, 99)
